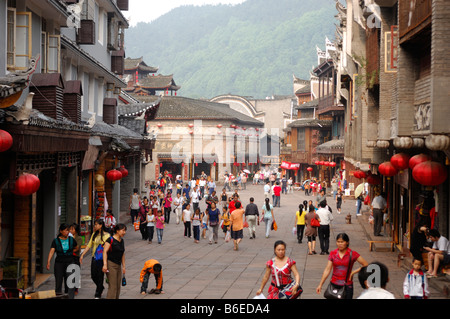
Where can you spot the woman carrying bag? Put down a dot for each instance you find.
(281, 268)
(340, 263)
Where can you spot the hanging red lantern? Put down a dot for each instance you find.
(417, 159)
(357, 174)
(309, 169)
(160, 164)
(191, 125)
(332, 164)
(214, 163)
(400, 161)
(159, 125)
(316, 162)
(6, 141)
(219, 125)
(182, 164)
(326, 163)
(374, 179)
(429, 173)
(196, 164)
(26, 184)
(124, 171)
(114, 175)
(387, 169)
(321, 162)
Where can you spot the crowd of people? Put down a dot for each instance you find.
(228, 214)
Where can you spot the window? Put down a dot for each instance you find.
(43, 52)
(22, 40)
(53, 53)
(101, 26)
(301, 145)
(11, 38)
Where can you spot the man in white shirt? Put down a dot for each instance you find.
(375, 289)
(438, 254)
(378, 207)
(325, 217)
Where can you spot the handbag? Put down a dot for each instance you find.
(274, 226)
(136, 225)
(285, 291)
(335, 291)
(315, 222)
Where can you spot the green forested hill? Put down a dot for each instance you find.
(251, 49)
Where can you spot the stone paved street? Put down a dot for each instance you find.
(203, 271)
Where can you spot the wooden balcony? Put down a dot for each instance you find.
(415, 19)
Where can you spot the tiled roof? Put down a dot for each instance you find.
(332, 147)
(159, 82)
(310, 122)
(173, 107)
(136, 109)
(132, 64)
(313, 103)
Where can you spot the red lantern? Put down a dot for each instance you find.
(356, 174)
(196, 164)
(374, 179)
(417, 159)
(332, 164)
(321, 162)
(316, 162)
(124, 171)
(159, 125)
(26, 185)
(400, 161)
(114, 175)
(191, 125)
(387, 169)
(362, 174)
(219, 125)
(429, 173)
(6, 141)
(326, 163)
(182, 164)
(214, 163)
(309, 169)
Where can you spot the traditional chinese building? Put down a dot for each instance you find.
(395, 105)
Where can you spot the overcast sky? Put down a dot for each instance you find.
(149, 10)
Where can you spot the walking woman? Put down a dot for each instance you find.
(114, 261)
(311, 232)
(267, 216)
(99, 237)
(135, 201)
(64, 246)
(281, 267)
(300, 222)
(213, 221)
(340, 265)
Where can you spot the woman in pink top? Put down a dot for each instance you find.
(159, 226)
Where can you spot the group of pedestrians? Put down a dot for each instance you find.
(227, 213)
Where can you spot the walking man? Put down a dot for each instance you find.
(325, 217)
(252, 217)
(378, 207)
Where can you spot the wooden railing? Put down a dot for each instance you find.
(325, 102)
(413, 16)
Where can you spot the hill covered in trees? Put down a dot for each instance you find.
(250, 49)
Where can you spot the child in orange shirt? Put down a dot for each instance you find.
(151, 266)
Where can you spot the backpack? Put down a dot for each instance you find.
(98, 255)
